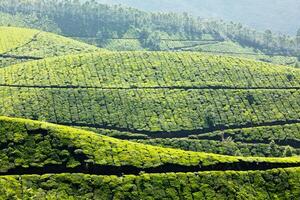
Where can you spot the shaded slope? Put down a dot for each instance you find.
(120, 168)
(20, 44)
(36, 147)
(261, 185)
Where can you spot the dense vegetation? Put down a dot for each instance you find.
(144, 95)
(261, 185)
(94, 20)
(184, 117)
(20, 45)
(34, 147)
(151, 69)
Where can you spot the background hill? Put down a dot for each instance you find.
(122, 28)
(279, 16)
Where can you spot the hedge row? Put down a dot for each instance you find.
(259, 185)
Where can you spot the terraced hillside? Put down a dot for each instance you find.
(190, 101)
(208, 44)
(21, 44)
(42, 161)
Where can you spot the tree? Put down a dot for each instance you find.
(273, 149)
(288, 152)
(103, 37)
(150, 40)
(268, 37)
(298, 41)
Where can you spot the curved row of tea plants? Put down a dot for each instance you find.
(269, 141)
(260, 185)
(225, 147)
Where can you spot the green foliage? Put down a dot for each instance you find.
(150, 39)
(264, 134)
(124, 45)
(91, 19)
(260, 185)
(151, 69)
(224, 147)
(137, 95)
(20, 44)
(29, 144)
(31, 20)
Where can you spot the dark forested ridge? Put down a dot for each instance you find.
(277, 15)
(103, 22)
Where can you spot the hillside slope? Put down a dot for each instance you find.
(21, 44)
(82, 164)
(146, 95)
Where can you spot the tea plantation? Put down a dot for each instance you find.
(155, 95)
(143, 125)
(21, 44)
(72, 163)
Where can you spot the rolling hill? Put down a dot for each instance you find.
(152, 97)
(22, 44)
(41, 160)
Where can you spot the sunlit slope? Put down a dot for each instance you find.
(21, 44)
(159, 95)
(11, 38)
(145, 69)
(102, 167)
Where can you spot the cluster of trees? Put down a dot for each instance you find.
(91, 19)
